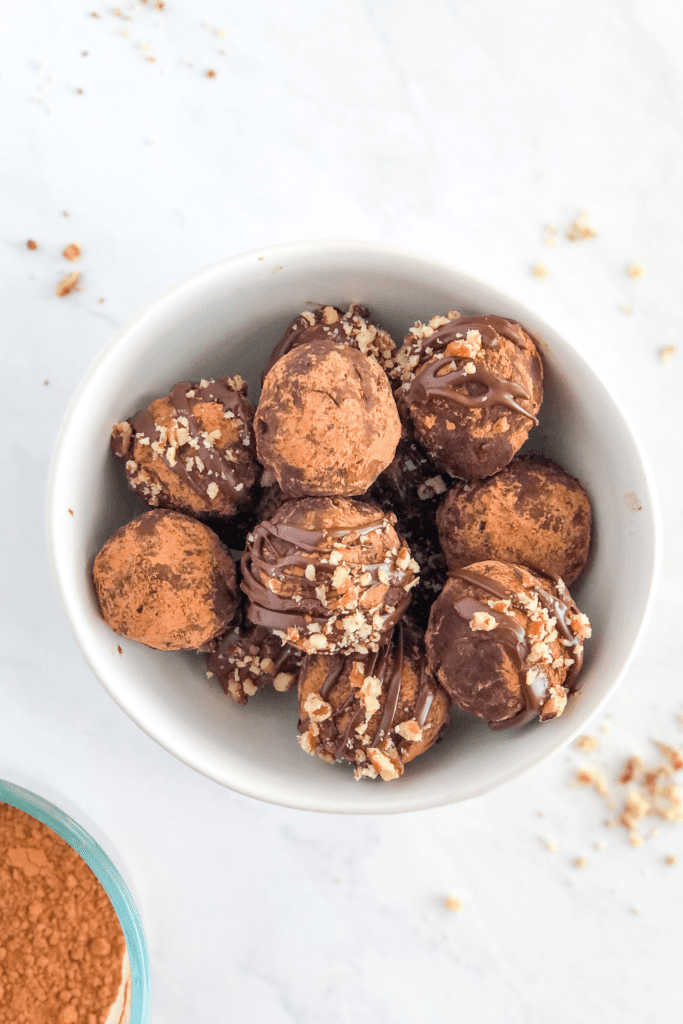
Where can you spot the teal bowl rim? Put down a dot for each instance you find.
(108, 875)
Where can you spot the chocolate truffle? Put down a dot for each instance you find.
(250, 658)
(506, 644)
(166, 580)
(532, 512)
(412, 485)
(327, 423)
(328, 574)
(377, 711)
(328, 323)
(193, 450)
(472, 387)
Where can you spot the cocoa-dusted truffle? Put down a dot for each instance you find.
(506, 644)
(250, 658)
(472, 387)
(327, 423)
(328, 574)
(377, 711)
(532, 512)
(166, 580)
(328, 323)
(192, 450)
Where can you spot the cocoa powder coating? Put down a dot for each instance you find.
(532, 513)
(327, 423)
(166, 581)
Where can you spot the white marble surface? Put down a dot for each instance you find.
(454, 129)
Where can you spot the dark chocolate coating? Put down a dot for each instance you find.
(472, 388)
(505, 643)
(356, 328)
(328, 574)
(531, 513)
(377, 711)
(192, 450)
(250, 658)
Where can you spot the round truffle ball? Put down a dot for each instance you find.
(166, 581)
(472, 387)
(505, 643)
(532, 513)
(329, 323)
(192, 450)
(377, 711)
(327, 422)
(328, 574)
(250, 658)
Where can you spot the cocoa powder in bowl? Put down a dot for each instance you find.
(62, 949)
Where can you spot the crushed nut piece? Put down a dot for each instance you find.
(72, 252)
(539, 271)
(67, 284)
(635, 271)
(667, 352)
(580, 230)
(31, 244)
(588, 744)
(454, 904)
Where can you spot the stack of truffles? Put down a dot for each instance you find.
(398, 554)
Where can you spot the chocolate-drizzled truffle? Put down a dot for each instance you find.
(506, 644)
(328, 323)
(472, 387)
(377, 711)
(532, 513)
(166, 580)
(251, 658)
(193, 450)
(327, 423)
(328, 574)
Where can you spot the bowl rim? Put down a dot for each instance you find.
(109, 877)
(279, 252)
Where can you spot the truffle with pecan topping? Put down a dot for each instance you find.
(329, 323)
(327, 422)
(472, 387)
(532, 512)
(377, 711)
(166, 580)
(505, 643)
(328, 574)
(251, 657)
(192, 450)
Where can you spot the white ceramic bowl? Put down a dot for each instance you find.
(225, 320)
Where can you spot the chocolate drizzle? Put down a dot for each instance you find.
(388, 666)
(513, 636)
(281, 595)
(229, 475)
(433, 383)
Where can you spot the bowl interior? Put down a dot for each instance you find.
(225, 320)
